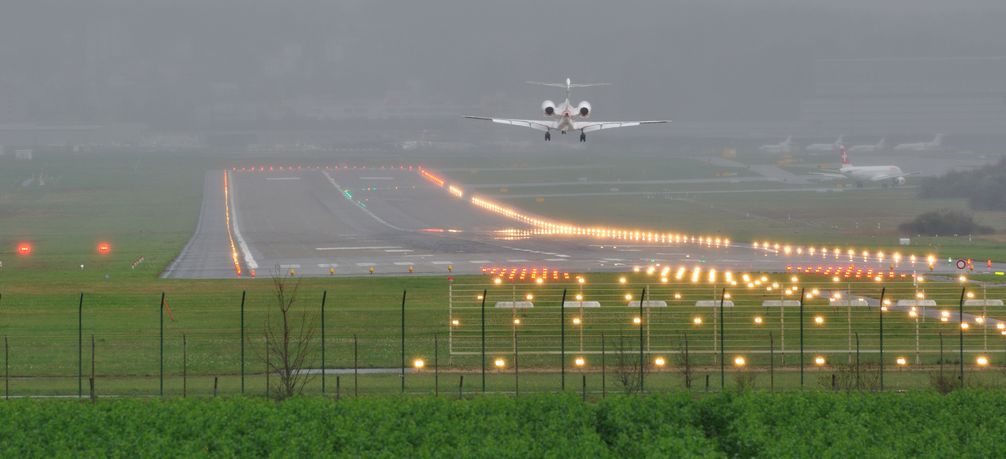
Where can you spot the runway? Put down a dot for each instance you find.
(349, 221)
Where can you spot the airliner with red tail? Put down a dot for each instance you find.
(885, 175)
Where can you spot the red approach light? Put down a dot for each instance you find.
(24, 248)
(104, 248)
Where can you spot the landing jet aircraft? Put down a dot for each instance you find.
(564, 116)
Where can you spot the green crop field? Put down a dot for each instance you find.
(963, 424)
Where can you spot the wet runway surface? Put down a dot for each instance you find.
(349, 221)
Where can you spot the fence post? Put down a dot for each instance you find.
(436, 364)
(641, 325)
(243, 292)
(857, 361)
(324, 296)
(604, 370)
(403, 340)
(161, 373)
(484, 292)
(268, 368)
(771, 361)
(516, 365)
(880, 310)
(356, 368)
(6, 370)
(723, 296)
(185, 366)
(801, 335)
(461, 387)
(338, 387)
(960, 329)
(562, 341)
(80, 346)
(93, 394)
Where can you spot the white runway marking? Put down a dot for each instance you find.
(555, 259)
(403, 263)
(373, 247)
(328, 265)
(249, 260)
(479, 262)
(290, 266)
(366, 264)
(398, 250)
(442, 262)
(517, 260)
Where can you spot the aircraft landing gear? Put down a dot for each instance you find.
(548, 136)
(583, 137)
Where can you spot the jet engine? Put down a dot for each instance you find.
(583, 109)
(548, 107)
(900, 180)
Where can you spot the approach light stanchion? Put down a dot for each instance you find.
(324, 296)
(641, 326)
(880, 311)
(562, 341)
(80, 346)
(403, 340)
(723, 379)
(960, 329)
(484, 293)
(243, 342)
(161, 387)
(801, 335)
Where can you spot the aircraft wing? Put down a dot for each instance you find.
(533, 124)
(591, 126)
(880, 178)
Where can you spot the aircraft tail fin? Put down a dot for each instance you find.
(845, 157)
(568, 85)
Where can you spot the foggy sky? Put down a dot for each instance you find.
(180, 62)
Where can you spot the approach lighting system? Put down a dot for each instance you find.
(24, 249)
(104, 248)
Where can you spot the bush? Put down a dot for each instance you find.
(945, 222)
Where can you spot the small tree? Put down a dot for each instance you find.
(627, 367)
(289, 339)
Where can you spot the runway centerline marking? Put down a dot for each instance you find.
(367, 247)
